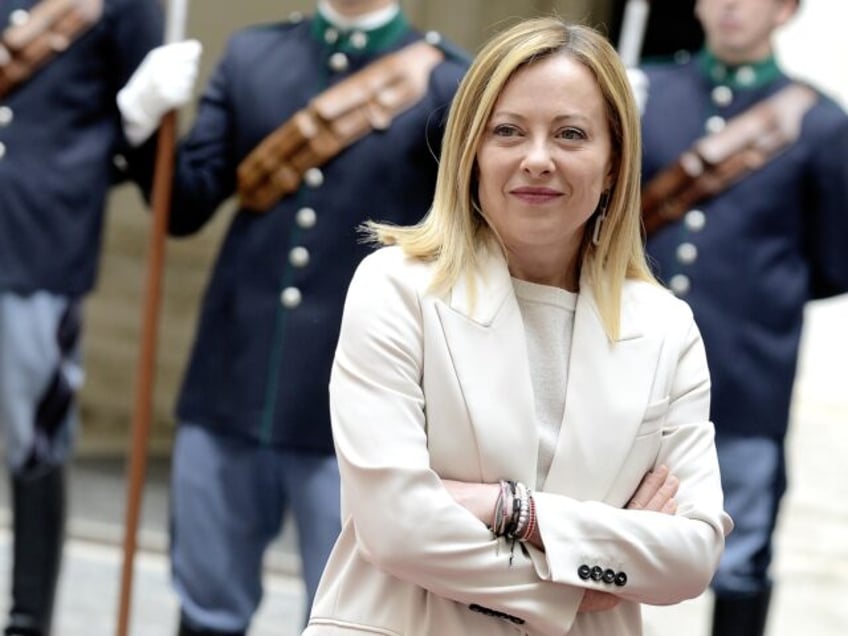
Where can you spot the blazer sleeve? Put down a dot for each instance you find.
(665, 558)
(406, 522)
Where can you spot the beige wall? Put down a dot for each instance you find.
(113, 311)
(470, 22)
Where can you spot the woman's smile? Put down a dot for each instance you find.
(535, 195)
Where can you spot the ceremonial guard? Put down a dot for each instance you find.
(316, 124)
(61, 64)
(746, 207)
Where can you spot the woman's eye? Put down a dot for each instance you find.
(505, 130)
(571, 134)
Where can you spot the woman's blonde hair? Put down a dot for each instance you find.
(453, 230)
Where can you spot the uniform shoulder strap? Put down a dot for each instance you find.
(715, 162)
(35, 38)
(333, 120)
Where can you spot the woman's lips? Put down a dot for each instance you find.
(535, 195)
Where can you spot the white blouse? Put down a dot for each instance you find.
(548, 315)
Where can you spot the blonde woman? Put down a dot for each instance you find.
(520, 412)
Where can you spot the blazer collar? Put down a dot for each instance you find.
(481, 295)
(609, 387)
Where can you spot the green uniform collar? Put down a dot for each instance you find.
(739, 77)
(357, 40)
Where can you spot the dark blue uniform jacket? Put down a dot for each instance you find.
(767, 245)
(58, 135)
(270, 317)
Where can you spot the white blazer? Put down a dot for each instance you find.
(427, 386)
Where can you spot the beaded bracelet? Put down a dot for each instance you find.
(520, 523)
(530, 528)
(515, 512)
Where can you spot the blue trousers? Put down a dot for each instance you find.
(40, 374)
(228, 500)
(753, 475)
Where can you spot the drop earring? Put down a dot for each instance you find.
(603, 203)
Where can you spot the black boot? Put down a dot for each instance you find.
(741, 616)
(186, 630)
(38, 522)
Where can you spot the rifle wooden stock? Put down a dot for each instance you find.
(146, 365)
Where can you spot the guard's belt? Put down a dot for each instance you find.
(333, 120)
(48, 30)
(715, 162)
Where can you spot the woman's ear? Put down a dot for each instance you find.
(609, 180)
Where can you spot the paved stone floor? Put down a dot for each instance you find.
(87, 604)
(811, 566)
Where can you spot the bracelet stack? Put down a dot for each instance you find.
(515, 512)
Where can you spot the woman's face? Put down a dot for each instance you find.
(544, 160)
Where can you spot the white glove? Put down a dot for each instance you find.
(162, 82)
(639, 85)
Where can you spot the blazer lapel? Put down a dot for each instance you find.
(608, 390)
(608, 385)
(489, 353)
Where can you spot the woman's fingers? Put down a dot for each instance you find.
(650, 484)
(670, 507)
(597, 601)
(656, 492)
(664, 494)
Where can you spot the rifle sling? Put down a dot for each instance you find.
(715, 162)
(333, 120)
(47, 30)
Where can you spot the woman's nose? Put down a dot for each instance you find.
(537, 160)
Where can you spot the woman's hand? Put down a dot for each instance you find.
(478, 499)
(656, 493)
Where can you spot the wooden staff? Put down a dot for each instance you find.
(160, 202)
(633, 27)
